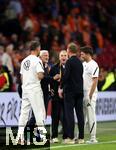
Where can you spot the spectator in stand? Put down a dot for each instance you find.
(7, 59)
(1, 51)
(16, 6)
(102, 77)
(99, 38)
(107, 80)
(5, 79)
(14, 40)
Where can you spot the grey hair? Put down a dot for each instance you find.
(42, 52)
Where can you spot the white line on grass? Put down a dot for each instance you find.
(56, 147)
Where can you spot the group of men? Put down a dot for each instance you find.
(73, 85)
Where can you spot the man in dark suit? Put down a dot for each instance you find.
(44, 56)
(56, 73)
(73, 95)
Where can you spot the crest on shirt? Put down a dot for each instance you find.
(26, 65)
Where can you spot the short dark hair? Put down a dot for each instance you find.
(73, 47)
(87, 50)
(34, 45)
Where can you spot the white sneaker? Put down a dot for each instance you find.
(80, 141)
(54, 140)
(92, 141)
(68, 141)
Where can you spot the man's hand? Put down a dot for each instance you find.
(90, 96)
(56, 77)
(60, 92)
(88, 100)
(40, 75)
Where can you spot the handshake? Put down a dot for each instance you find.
(57, 77)
(60, 92)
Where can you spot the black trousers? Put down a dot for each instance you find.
(57, 115)
(46, 101)
(71, 101)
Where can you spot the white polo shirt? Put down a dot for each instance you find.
(91, 70)
(30, 66)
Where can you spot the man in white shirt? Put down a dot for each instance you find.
(90, 78)
(32, 96)
(7, 59)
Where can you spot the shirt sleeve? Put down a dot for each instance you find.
(95, 71)
(21, 69)
(39, 67)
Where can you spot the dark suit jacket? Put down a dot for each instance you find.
(73, 76)
(56, 69)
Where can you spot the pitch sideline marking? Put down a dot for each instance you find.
(70, 145)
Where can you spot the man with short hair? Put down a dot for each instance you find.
(90, 77)
(44, 56)
(7, 59)
(73, 95)
(32, 97)
(57, 103)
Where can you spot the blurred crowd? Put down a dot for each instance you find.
(55, 23)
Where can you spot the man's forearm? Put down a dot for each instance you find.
(93, 87)
(40, 75)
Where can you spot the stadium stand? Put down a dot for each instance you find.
(56, 23)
